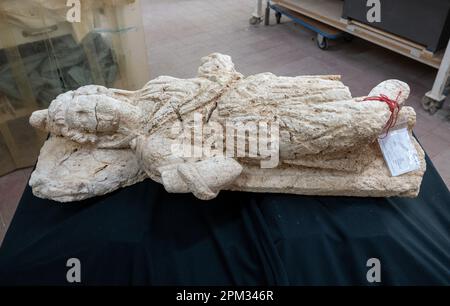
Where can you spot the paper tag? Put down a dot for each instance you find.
(399, 152)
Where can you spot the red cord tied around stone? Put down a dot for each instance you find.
(394, 107)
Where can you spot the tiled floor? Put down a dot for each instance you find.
(180, 32)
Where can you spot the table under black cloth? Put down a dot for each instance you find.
(143, 235)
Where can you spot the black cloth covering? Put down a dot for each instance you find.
(142, 235)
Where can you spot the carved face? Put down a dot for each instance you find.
(93, 114)
(81, 115)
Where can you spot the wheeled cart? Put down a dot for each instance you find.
(324, 32)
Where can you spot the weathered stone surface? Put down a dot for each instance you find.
(374, 181)
(103, 139)
(69, 171)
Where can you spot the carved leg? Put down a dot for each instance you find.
(203, 178)
(393, 89)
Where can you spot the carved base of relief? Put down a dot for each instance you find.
(374, 181)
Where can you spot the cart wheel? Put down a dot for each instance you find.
(255, 20)
(322, 41)
(278, 17)
(267, 15)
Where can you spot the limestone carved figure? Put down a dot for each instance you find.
(102, 139)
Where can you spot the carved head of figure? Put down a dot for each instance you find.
(90, 114)
(218, 68)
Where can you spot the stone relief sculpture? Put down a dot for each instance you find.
(324, 140)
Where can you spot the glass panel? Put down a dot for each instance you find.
(42, 54)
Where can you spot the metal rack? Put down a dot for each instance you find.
(434, 99)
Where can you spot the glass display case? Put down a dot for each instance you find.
(48, 47)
